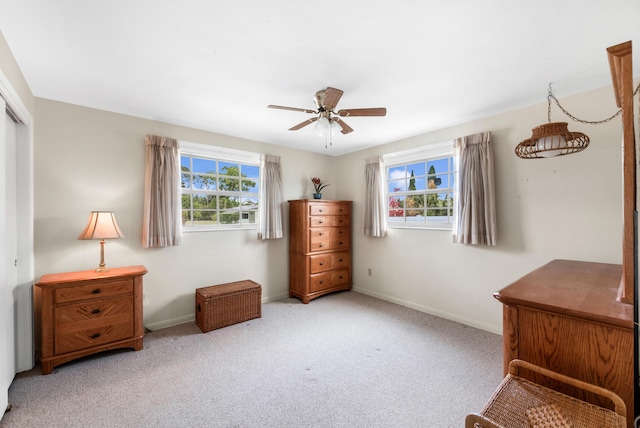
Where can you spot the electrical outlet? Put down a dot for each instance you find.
(145, 301)
(369, 272)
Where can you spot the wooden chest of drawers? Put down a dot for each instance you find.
(81, 313)
(564, 316)
(319, 247)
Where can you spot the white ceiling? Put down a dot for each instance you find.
(216, 65)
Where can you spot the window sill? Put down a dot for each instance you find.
(220, 228)
(421, 226)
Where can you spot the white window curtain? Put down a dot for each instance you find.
(375, 207)
(475, 216)
(162, 219)
(270, 208)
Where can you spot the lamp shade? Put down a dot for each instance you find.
(101, 225)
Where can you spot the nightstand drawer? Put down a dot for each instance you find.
(92, 337)
(96, 290)
(83, 325)
(96, 311)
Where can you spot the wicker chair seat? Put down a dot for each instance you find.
(520, 403)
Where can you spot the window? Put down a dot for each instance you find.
(220, 187)
(420, 187)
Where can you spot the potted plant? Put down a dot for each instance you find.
(318, 185)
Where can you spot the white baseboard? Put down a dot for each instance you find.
(497, 329)
(170, 322)
(192, 317)
(274, 298)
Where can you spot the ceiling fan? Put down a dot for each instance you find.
(326, 101)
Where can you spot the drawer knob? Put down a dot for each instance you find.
(321, 282)
(321, 233)
(321, 245)
(341, 243)
(95, 311)
(320, 210)
(96, 291)
(95, 335)
(320, 221)
(340, 277)
(340, 260)
(321, 263)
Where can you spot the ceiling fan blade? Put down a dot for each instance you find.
(345, 128)
(303, 124)
(292, 109)
(331, 98)
(363, 112)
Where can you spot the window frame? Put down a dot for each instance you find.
(221, 154)
(431, 152)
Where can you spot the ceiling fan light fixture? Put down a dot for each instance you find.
(322, 126)
(550, 140)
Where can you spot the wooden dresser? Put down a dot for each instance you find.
(565, 317)
(319, 247)
(81, 313)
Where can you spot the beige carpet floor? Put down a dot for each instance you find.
(344, 360)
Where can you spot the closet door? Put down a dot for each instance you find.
(8, 254)
(16, 239)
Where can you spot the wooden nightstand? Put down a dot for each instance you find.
(81, 313)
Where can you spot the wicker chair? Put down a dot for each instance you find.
(519, 402)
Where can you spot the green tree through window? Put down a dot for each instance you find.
(218, 192)
(421, 192)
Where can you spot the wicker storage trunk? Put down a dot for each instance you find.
(221, 305)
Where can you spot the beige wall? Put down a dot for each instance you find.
(567, 207)
(561, 208)
(86, 159)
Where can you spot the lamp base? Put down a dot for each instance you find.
(101, 266)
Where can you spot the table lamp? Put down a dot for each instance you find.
(102, 225)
